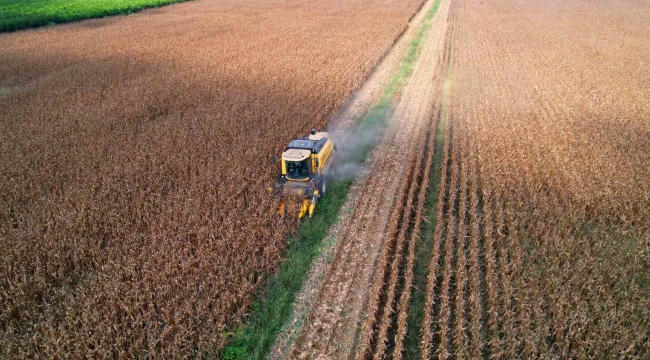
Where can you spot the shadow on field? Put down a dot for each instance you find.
(147, 177)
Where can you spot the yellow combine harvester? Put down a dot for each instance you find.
(306, 168)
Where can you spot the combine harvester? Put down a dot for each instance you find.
(307, 165)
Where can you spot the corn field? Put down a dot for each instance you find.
(136, 152)
(541, 245)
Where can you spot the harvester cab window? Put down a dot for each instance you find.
(298, 169)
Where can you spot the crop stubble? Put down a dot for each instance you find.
(136, 153)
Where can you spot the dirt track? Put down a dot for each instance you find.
(339, 311)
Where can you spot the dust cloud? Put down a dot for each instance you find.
(353, 146)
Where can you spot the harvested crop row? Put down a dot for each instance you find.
(439, 81)
(444, 312)
(415, 236)
(368, 330)
(396, 263)
(437, 248)
(492, 328)
(137, 156)
(459, 337)
(391, 270)
(443, 303)
(476, 268)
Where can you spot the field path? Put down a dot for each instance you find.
(339, 310)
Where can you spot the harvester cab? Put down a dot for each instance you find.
(306, 165)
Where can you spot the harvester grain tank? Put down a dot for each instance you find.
(307, 166)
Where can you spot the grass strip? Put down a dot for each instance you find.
(274, 307)
(23, 14)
